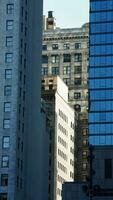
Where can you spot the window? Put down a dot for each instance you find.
(108, 168)
(66, 58)
(44, 47)
(7, 90)
(8, 73)
(4, 179)
(84, 131)
(84, 165)
(44, 59)
(9, 57)
(9, 25)
(3, 196)
(78, 57)
(66, 70)
(7, 106)
(55, 58)
(44, 70)
(66, 81)
(77, 45)
(77, 95)
(85, 142)
(77, 107)
(71, 175)
(55, 70)
(6, 123)
(54, 46)
(10, 8)
(5, 161)
(71, 150)
(9, 41)
(5, 142)
(66, 46)
(84, 153)
(77, 81)
(77, 69)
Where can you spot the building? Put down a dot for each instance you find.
(81, 144)
(74, 191)
(65, 53)
(61, 135)
(100, 74)
(20, 75)
(100, 97)
(100, 184)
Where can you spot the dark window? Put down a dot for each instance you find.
(9, 41)
(6, 142)
(77, 69)
(44, 59)
(5, 161)
(7, 106)
(6, 123)
(66, 81)
(78, 57)
(77, 107)
(3, 196)
(67, 58)
(66, 46)
(10, 8)
(108, 168)
(54, 46)
(44, 47)
(77, 81)
(4, 179)
(77, 95)
(7, 90)
(55, 58)
(55, 70)
(9, 57)
(8, 73)
(9, 25)
(44, 70)
(66, 70)
(77, 45)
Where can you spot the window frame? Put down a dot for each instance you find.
(9, 25)
(8, 75)
(7, 90)
(5, 163)
(9, 41)
(8, 58)
(10, 8)
(4, 179)
(6, 123)
(7, 108)
(5, 144)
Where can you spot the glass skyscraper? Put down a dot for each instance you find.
(101, 73)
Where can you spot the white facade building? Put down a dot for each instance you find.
(61, 163)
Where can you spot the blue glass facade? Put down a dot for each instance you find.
(101, 73)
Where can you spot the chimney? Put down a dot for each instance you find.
(50, 21)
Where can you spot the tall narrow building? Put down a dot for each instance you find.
(65, 53)
(101, 73)
(20, 40)
(61, 122)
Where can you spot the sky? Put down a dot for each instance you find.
(68, 13)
